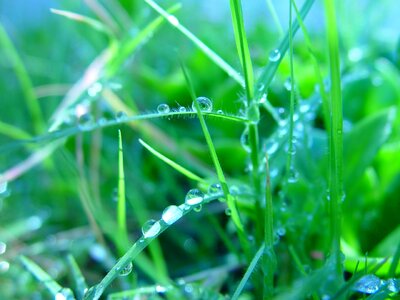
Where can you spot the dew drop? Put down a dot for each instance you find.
(182, 109)
(160, 289)
(220, 111)
(228, 211)
(163, 108)
(293, 176)
(244, 140)
(98, 253)
(173, 20)
(194, 197)
(281, 231)
(274, 55)
(288, 84)
(393, 285)
(260, 87)
(4, 266)
(368, 284)
(3, 248)
(85, 120)
(214, 188)
(3, 186)
(234, 190)
(120, 116)
(126, 270)
(272, 147)
(151, 228)
(171, 214)
(263, 99)
(198, 208)
(95, 89)
(205, 104)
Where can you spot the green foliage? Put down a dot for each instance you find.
(271, 163)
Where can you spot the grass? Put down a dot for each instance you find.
(187, 162)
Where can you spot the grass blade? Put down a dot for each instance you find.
(76, 274)
(203, 47)
(14, 132)
(31, 100)
(121, 215)
(173, 164)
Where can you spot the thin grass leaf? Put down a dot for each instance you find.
(159, 227)
(268, 74)
(173, 164)
(248, 273)
(203, 47)
(121, 208)
(14, 132)
(95, 24)
(76, 274)
(336, 134)
(27, 88)
(220, 174)
(275, 17)
(395, 266)
(44, 278)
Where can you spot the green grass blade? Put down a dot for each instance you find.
(203, 47)
(269, 72)
(275, 17)
(243, 48)
(76, 274)
(248, 273)
(31, 100)
(14, 132)
(43, 277)
(96, 25)
(121, 215)
(173, 164)
(336, 133)
(220, 174)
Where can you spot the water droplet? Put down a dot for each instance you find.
(260, 87)
(234, 190)
(393, 285)
(194, 197)
(120, 116)
(3, 248)
(4, 266)
(220, 111)
(97, 252)
(293, 176)
(368, 284)
(274, 55)
(244, 140)
(102, 121)
(64, 294)
(126, 270)
(215, 188)
(273, 172)
(205, 104)
(173, 20)
(34, 223)
(355, 54)
(182, 109)
(160, 289)
(263, 99)
(171, 214)
(163, 108)
(343, 197)
(281, 231)
(228, 211)
(291, 151)
(272, 146)
(288, 84)
(304, 107)
(198, 208)
(151, 228)
(3, 186)
(60, 296)
(85, 121)
(95, 89)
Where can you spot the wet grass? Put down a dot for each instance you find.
(187, 162)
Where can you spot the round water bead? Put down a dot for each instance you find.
(171, 214)
(163, 108)
(3, 247)
(182, 109)
(368, 284)
(274, 55)
(215, 188)
(194, 197)
(126, 270)
(205, 104)
(151, 228)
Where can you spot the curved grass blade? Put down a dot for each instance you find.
(269, 72)
(14, 132)
(76, 274)
(173, 164)
(121, 215)
(51, 285)
(159, 227)
(203, 47)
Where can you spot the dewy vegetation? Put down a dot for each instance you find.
(200, 156)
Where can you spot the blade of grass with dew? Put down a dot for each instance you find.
(121, 215)
(96, 291)
(275, 17)
(76, 274)
(27, 88)
(248, 273)
(51, 285)
(336, 134)
(317, 69)
(214, 57)
(92, 23)
(268, 74)
(14, 132)
(220, 174)
(173, 164)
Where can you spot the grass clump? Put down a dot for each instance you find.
(188, 162)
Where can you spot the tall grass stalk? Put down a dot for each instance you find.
(336, 134)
